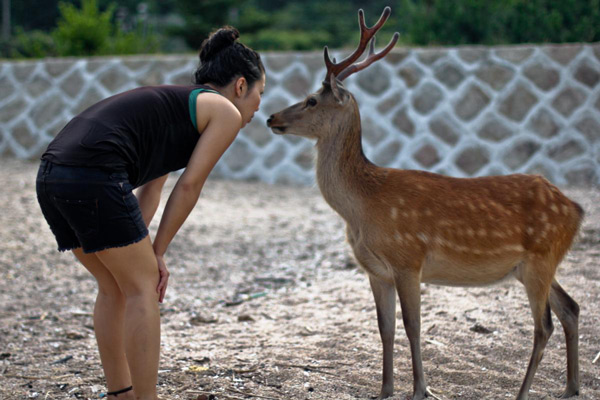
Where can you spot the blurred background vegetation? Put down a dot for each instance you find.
(32, 28)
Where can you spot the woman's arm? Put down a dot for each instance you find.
(148, 196)
(223, 125)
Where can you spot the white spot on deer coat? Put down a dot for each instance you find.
(398, 236)
(514, 247)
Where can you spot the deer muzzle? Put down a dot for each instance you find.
(276, 126)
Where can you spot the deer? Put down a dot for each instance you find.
(408, 227)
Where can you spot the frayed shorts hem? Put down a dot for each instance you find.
(107, 247)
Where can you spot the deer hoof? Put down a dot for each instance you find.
(384, 395)
(569, 392)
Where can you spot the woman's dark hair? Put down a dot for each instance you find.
(223, 58)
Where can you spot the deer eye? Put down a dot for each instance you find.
(311, 102)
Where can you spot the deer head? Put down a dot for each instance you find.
(333, 107)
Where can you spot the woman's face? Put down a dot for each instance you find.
(249, 101)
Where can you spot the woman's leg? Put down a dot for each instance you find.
(109, 314)
(135, 269)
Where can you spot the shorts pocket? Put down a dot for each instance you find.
(122, 181)
(131, 202)
(82, 215)
(134, 211)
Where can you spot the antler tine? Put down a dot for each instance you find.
(371, 58)
(366, 34)
(384, 16)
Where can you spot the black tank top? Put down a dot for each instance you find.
(148, 132)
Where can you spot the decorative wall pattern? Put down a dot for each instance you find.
(466, 111)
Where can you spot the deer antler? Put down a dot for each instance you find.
(366, 34)
(371, 58)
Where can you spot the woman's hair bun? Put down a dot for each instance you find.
(223, 58)
(217, 41)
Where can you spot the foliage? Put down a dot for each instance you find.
(202, 17)
(271, 39)
(277, 24)
(89, 31)
(30, 15)
(553, 21)
(134, 43)
(85, 31)
(500, 21)
(439, 21)
(78, 27)
(31, 44)
(311, 24)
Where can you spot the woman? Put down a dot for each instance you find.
(133, 140)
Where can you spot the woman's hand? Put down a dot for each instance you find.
(164, 278)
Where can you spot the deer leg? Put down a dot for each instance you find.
(567, 311)
(385, 302)
(408, 287)
(537, 292)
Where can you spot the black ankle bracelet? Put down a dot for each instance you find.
(118, 392)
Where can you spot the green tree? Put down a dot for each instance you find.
(28, 15)
(84, 31)
(31, 44)
(552, 21)
(290, 25)
(456, 22)
(89, 31)
(500, 21)
(201, 18)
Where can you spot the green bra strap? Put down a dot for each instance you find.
(192, 103)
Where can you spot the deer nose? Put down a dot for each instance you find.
(270, 120)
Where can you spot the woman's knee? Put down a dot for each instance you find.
(140, 285)
(134, 268)
(110, 291)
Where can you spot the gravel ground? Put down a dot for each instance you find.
(266, 302)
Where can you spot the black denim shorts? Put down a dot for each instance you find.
(91, 208)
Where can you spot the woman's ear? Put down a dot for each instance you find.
(241, 86)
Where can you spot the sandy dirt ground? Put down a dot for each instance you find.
(266, 302)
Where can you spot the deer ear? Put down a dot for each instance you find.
(337, 94)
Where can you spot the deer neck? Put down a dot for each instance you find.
(344, 174)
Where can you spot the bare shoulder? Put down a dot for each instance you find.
(214, 107)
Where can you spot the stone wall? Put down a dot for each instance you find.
(466, 111)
